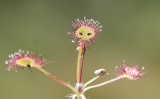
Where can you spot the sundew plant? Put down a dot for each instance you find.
(85, 32)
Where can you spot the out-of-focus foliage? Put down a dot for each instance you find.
(131, 32)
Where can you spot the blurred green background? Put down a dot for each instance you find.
(131, 32)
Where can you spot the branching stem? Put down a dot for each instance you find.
(101, 84)
(90, 81)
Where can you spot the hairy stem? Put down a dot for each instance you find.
(104, 83)
(57, 79)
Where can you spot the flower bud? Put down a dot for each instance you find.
(100, 72)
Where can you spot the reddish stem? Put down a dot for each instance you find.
(84, 50)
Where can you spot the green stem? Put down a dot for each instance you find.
(83, 50)
(58, 80)
(79, 63)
